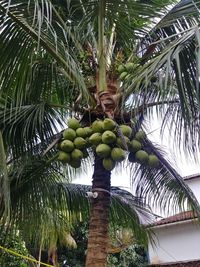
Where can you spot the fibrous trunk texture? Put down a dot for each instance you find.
(98, 239)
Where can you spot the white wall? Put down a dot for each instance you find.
(176, 242)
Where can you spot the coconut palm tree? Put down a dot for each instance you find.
(44, 210)
(94, 60)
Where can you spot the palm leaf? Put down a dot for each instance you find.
(38, 195)
(33, 26)
(33, 30)
(34, 201)
(162, 187)
(25, 126)
(170, 57)
(136, 215)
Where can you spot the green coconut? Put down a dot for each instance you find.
(121, 68)
(123, 75)
(75, 163)
(76, 154)
(69, 134)
(119, 142)
(135, 145)
(142, 156)
(108, 164)
(126, 130)
(129, 66)
(153, 161)
(127, 77)
(108, 137)
(140, 135)
(97, 126)
(103, 150)
(118, 154)
(73, 123)
(67, 146)
(88, 131)
(63, 157)
(81, 132)
(131, 157)
(79, 143)
(95, 139)
(109, 124)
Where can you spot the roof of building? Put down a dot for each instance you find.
(191, 177)
(183, 216)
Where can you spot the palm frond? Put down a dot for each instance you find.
(136, 215)
(162, 187)
(185, 137)
(39, 195)
(26, 28)
(186, 11)
(33, 185)
(169, 71)
(25, 126)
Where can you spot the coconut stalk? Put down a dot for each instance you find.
(102, 84)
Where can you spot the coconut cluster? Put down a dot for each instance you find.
(73, 145)
(126, 70)
(109, 141)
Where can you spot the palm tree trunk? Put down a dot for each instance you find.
(98, 239)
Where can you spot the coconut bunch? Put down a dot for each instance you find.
(139, 152)
(73, 145)
(126, 70)
(110, 141)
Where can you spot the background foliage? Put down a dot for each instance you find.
(132, 256)
(15, 243)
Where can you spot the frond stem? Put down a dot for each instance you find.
(101, 46)
(143, 107)
(111, 45)
(170, 37)
(49, 161)
(4, 180)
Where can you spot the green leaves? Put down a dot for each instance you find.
(168, 73)
(41, 199)
(33, 202)
(28, 32)
(25, 126)
(162, 187)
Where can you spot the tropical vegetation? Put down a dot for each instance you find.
(13, 241)
(129, 255)
(93, 61)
